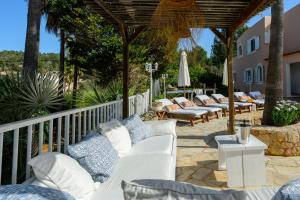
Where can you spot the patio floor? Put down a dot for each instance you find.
(197, 157)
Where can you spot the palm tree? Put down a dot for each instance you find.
(32, 44)
(274, 84)
(55, 25)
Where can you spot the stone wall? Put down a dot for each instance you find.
(281, 141)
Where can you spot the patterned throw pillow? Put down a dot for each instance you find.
(224, 100)
(246, 99)
(172, 107)
(137, 129)
(30, 192)
(188, 104)
(289, 191)
(209, 101)
(96, 155)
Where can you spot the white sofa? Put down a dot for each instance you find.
(152, 158)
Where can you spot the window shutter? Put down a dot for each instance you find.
(251, 75)
(248, 46)
(245, 76)
(256, 42)
(267, 37)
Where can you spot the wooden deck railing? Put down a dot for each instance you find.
(56, 131)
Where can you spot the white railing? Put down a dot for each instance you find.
(64, 127)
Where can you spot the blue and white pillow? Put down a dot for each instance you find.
(137, 129)
(95, 154)
(289, 191)
(30, 192)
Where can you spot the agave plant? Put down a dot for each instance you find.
(22, 98)
(40, 95)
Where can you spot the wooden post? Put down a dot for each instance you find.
(229, 44)
(125, 71)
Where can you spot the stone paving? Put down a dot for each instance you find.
(197, 157)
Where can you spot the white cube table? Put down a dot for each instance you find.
(245, 163)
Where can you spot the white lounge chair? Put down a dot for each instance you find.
(259, 102)
(190, 115)
(212, 111)
(240, 105)
(200, 100)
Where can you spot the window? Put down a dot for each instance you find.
(267, 36)
(240, 50)
(248, 76)
(259, 73)
(252, 44)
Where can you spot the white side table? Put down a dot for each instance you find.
(245, 163)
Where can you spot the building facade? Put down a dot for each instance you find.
(251, 63)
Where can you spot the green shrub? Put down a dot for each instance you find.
(285, 113)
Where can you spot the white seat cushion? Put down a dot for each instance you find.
(154, 145)
(221, 105)
(155, 166)
(165, 102)
(209, 109)
(243, 104)
(195, 113)
(259, 101)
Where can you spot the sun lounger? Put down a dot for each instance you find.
(240, 105)
(259, 102)
(212, 111)
(258, 97)
(192, 116)
(203, 100)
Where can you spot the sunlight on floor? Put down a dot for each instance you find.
(197, 157)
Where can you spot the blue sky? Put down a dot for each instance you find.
(13, 16)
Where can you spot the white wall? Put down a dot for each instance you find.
(295, 78)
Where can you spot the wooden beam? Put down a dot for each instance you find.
(229, 45)
(254, 5)
(125, 38)
(101, 4)
(219, 35)
(137, 31)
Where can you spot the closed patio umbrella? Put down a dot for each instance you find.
(225, 74)
(184, 75)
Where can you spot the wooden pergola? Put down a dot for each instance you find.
(137, 15)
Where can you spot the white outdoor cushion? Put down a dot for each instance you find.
(154, 145)
(202, 97)
(255, 93)
(209, 109)
(165, 102)
(261, 194)
(195, 113)
(239, 94)
(259, 101)
(118, 135)
(180, 100)
(220, 105)
(163, 127)
(64, 172)
(243, 103)
(218, 96)
(155, 166)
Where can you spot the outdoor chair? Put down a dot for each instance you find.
(174, 111)
(258, 97)
(190, 105)
(204, 100)
(241, 106)
(240, 96)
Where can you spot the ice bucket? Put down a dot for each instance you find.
(243, 129)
